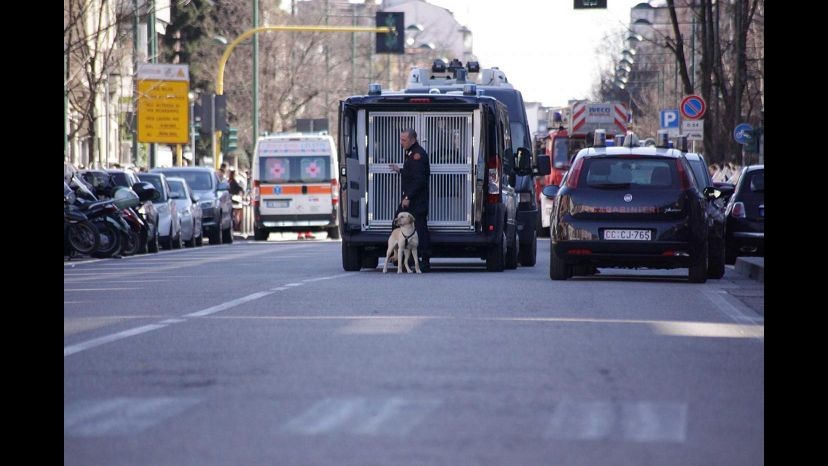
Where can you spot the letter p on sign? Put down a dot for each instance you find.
(670, 118)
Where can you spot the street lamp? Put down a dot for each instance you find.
(192, 95)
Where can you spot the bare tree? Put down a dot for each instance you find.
(90, 33)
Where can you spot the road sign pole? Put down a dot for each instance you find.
(213, 128)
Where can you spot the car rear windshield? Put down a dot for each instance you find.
(177, 187)
(156, 181)
(198, 181)
(121, 179)
(617, 172)
(757, 181)
(303, 169)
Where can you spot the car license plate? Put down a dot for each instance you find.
(277, 203)
(634, 235)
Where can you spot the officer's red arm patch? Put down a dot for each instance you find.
(417, 156)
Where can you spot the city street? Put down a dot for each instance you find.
(269, 353)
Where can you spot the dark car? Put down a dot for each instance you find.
(629, 207)
(213, 197)
(746, 215)
(493, 83)
(716, 219)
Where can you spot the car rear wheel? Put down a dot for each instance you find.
(716, 262)
(558, 269)
(697, 272)
(370, 262)
(333, 232)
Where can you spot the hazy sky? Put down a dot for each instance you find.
(546, 48)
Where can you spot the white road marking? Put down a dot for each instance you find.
(393, 416)
(121, 416)
(731, 311)
(387, 325)
(228, 304)
(72, 349)
(631, 421)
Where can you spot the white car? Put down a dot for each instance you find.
(189, 212)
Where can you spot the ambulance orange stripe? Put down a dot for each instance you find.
(297, 189)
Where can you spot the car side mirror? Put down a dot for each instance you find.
(711, 193)
(223, 186)
(544, 166)
(550, 191)
(727, 189)
(523, 159)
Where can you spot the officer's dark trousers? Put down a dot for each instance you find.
(421, 225)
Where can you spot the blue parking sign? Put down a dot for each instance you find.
(670, 118)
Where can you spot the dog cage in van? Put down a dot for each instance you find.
(452, 146)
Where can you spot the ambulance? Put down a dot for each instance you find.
(295, 185)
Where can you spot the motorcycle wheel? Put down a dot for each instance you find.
(83, 237)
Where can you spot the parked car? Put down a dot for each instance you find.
(169, 225)
(213, 197)
(746, 215)
(629, 207)
(188, 211)
(716, 219)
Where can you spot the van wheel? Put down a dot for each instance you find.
(333, 233)
(260, 234)
(370, 262)
(512, 253)
(495, 257)
(558, 268)
(697, 272)
(351, 260)
(529, 251)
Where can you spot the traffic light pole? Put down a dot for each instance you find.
(232, 45)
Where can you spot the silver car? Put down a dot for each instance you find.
(189, 212)
(169, 225)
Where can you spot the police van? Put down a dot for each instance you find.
(295, 184)
(472, 199)
(450, 77)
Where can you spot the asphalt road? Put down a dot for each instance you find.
(269, 353)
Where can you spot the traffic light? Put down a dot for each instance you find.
(230, 140)
(392, 42)
(583, 4)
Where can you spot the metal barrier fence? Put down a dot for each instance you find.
(246, 227)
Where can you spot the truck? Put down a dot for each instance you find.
(573, 127)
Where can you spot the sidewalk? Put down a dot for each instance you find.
(751, 267)
(750, 278)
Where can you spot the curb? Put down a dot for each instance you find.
(751, 267)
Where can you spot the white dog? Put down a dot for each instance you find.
(403, 241)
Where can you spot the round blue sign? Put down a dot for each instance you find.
(692, 107)
(739, 133)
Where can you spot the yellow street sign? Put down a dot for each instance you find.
(163, 103)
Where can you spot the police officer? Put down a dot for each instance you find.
(415, 174)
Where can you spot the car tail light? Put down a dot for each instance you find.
(334, 191)
(579, 252)
(493, 165)
(256, 195)
(738, 210)
(684, 176)
(572, 180)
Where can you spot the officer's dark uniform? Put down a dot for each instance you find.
(415, 174)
